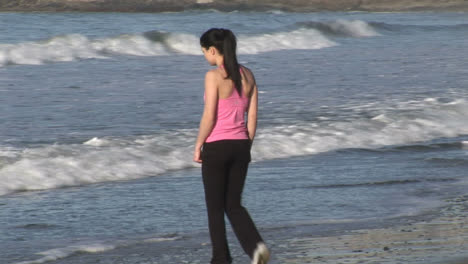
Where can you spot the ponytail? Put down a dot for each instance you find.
(225, 42)
(230, 59)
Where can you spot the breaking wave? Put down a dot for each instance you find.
(345, 28)
(153, 43)
(387, 27)
(113, 159)
(307, 35)
(92, 248)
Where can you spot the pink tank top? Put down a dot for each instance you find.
(230, 118)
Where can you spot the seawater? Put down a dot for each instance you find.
(362, 118)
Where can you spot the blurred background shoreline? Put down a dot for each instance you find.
(232, 5)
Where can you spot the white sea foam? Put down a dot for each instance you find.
(254, 44)
(160, 239)
(347, 28)
(97, 142)
(9, 152)
(64, 252)
(75, 46)
(183, 43)
(112, 159)
(353, 28)
(297, 39)
(464, 144)
(96, 160)
(136, 45)
(276, 12)
(62, 48)
(60, 253)
(412, 122)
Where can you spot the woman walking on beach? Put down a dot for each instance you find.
(223, 146)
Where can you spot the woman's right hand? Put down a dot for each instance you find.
(197, 155)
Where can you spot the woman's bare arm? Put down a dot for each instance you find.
(252, 111)
(209, 113)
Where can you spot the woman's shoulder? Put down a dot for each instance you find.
(214, 74)
(248, 74)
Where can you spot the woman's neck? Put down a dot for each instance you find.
(220, 61)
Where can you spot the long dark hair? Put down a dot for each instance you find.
(225, 42)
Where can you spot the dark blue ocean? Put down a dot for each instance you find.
(363, 118)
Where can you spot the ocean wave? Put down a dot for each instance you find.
(430, 147)
(306, 39)
(359, 28)
(96, 247)
(451, 162)
(113, 159)
(60, 253)
(65, 48)
(96, 160)
(75, 46)
(152, 43)
(392, 27)
(381, 183)
(347, 28)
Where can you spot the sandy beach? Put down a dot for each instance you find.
(439, 240)
(442, 240)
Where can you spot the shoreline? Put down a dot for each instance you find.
(440, 240)
(158, 6)
(436, 237)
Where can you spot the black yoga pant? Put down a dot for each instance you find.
(224, 168)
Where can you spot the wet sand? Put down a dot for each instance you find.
(442, 240)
